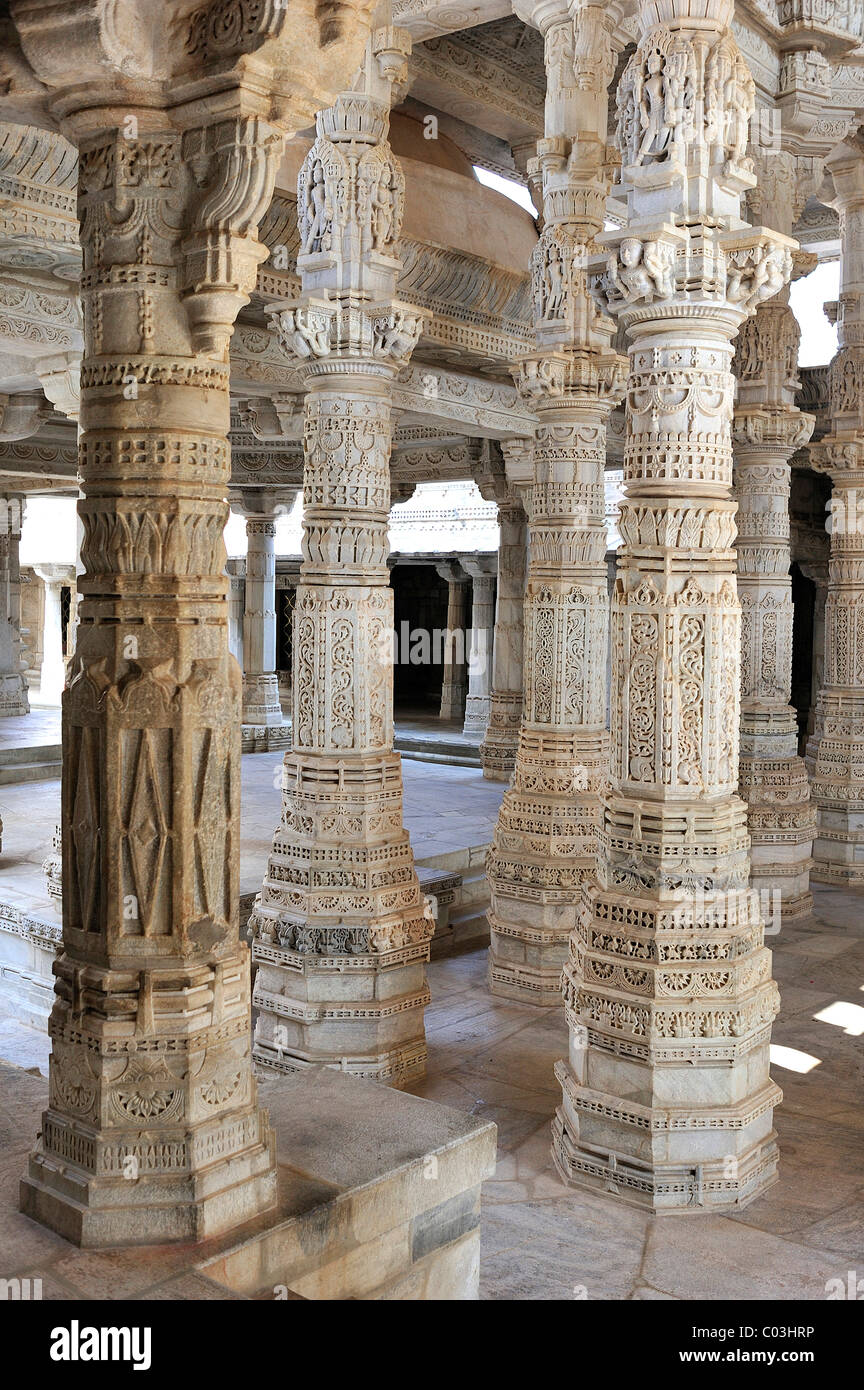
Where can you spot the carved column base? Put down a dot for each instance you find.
(453, 701)
(835, 762)
(13, 696)
(152, 1134)
(658, 1182)
(359, 1014)
(476, 716)
(261, 704)
(782, 820)
(498, 749)
(341, 928)
(666, 1094)
(542, 853)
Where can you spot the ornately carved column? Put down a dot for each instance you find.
(453, 687)
(835, 753)
(667, 1098)
(13, 686)
(498, 749)
(480, 656)
(545, 839)
(153, 1131)
(768, 428)
(341, 928)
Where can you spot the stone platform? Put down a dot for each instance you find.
(379, 1198)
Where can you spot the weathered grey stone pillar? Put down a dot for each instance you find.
(479, 693)
(341, 928)
(454, 687)
(13, 686)
(152, 1131)
(835, 753)
(498, 749)
(667, 1098)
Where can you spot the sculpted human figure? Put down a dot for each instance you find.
(652, 108)
(675, 74)
(317, 212)
(383, 209)
(737, 112)
(752, 281)
(642, 273)
(397, 336)
(554, 285)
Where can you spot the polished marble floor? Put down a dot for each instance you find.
(541, 1240)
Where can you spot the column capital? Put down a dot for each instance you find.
(234, 57)
(771, 431)
(480, 567)
(452, 572)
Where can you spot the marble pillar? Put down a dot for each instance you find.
(260, 688)
(264, 727)
(153, 1131)
(341, 927)
(545, 841)
(498, 749)
(667, 1099)
(454, 686)
(480, 652)
(52, 675)
(835, 752)
(768, 428)
(13, 685)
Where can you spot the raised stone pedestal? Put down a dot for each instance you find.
(378, 1199)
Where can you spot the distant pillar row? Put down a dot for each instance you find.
(768, 428)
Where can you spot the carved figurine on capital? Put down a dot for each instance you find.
(638, 270)
(757, 273)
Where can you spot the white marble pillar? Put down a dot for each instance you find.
(479, 693)
(341, 928)
(667, 1099)
(545, 841)
(498, 749)
(13, 685)
(260, 687)
(454, 686)
(835, 753)
(52, 676)
(768, 428)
